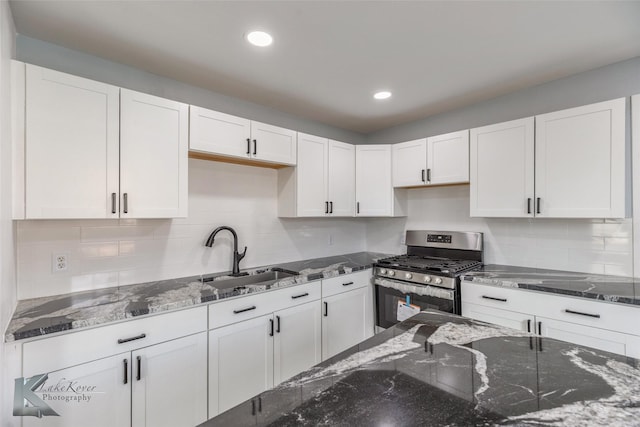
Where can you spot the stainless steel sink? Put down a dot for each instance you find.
(263, 279)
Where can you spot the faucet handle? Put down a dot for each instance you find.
(241, 255)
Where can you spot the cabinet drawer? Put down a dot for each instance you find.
(494, 296)
(73, 348)
(244, 308)
(345, 282)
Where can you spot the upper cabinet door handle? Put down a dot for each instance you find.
(125, 203)
(423, 178)
(248, 146)
(428, 175)
(529, 205)
(113, 203)
(326, 207)
(330, 207)
(255, 147)
(538, 209)
(357, 207)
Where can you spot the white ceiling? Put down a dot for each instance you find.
(328, 57)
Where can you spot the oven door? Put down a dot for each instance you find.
(389, 292)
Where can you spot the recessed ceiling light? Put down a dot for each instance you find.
(259, 38)
(384, 94)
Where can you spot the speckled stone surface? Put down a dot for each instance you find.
(439, 369)
(47, 315)
(618, 289)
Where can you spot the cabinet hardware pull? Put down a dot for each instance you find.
(357, 207)
(426, 346)
(538, 205)
(423, 178)
(125, 202)
(326, 309)
(137, 337)
(242, 310)
(260, 404)
(530, 343)
(248, 146)
(597, 316)
(278, 324)
(126, 370)
(494, 298)
(529, 205)
(428, 175)
(253, 406)
(270, 327)
(113, 203)
(330, 207)
(326, 207)
(347, 284)
(539, 328)
(306, 294)
(529, 325)
(255, 147)
(139, 374)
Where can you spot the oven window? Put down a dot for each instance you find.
(387, 305)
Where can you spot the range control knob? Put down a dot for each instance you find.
(383, 271)
(427, 279)
(408, 276)
(438, 281)
(391, 273)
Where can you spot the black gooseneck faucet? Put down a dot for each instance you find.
(237, 256)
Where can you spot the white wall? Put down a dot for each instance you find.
(595, 246)
(106, 253)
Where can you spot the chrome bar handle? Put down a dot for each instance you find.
(125, 203)
(113, 203)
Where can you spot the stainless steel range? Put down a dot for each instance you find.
(428, 276)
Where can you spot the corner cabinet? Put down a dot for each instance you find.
(571, 166)
(323, 181)
(147, 372)
(375, 195)
(437, 160)
(220, 136)
(605, 326)
(92, 150)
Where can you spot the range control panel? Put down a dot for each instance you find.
(439, 238)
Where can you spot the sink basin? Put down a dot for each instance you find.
(263, 279)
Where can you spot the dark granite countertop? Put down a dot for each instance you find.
(617, 289)
(439, 369)
(47, 315)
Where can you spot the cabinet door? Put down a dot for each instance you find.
(374, 192)
(347, 320)
(240, 362)
(273, 144)
(219, 133)
(410, 163)
(71, 159)
(341, 178)
(510, 319)
(588, 336)
(501, 169)
(98, 394)
(448, 158)
(169, 383)
(580, 161)
(154, 139)
(311, 176)
(297, 342)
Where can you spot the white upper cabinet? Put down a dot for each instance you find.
(322, 183)
(273, 144)
(219, 134)
(71, 147)
(448, 158)
(410, 163)
(576, 164)
(501, 169)
(437, 160)
(375, 195)
(580, 162)
(215, 132)
(92, 150)
(154, 139)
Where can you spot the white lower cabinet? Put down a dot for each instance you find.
(106, 405)
(600, 325)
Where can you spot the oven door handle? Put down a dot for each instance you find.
(422, 290)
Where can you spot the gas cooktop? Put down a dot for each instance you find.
(426, 264)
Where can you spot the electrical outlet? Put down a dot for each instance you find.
(59, 262)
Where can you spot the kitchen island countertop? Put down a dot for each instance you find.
(439, 369)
